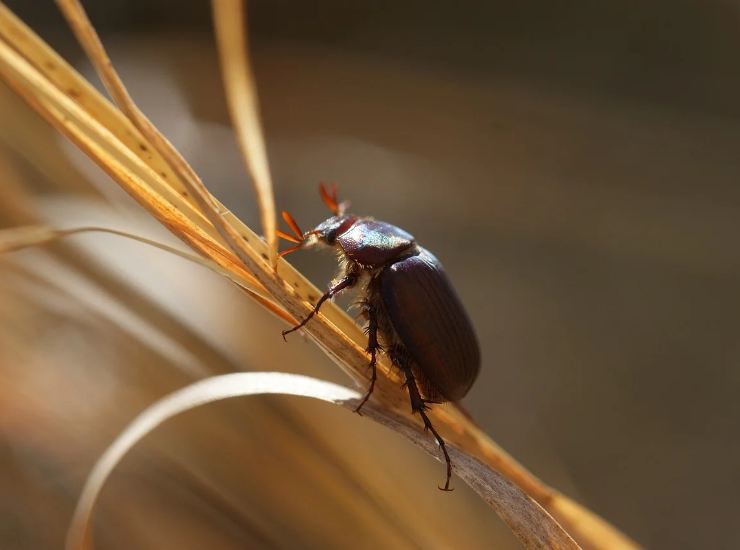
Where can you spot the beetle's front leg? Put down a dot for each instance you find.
(348, 281)
(372, 349)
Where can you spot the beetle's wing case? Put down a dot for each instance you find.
(373, 243)
(432, 324)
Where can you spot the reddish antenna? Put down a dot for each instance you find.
(330, 197)
(297, 236)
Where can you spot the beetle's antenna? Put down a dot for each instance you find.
(332, 201)
(289, 250)
(342, 207)
(330, 198)
(294, 227)
(297, 237)
(287, 236)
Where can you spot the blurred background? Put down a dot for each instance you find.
(574, 166)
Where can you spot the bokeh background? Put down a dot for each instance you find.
(575, 166)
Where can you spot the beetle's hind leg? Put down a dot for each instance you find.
(348, 281)
(372, 349)
(419, 405)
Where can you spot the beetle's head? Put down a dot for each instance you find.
(328, 230)
(324, 233)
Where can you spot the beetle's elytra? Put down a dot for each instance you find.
(413, 313)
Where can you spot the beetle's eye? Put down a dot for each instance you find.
(331, 236)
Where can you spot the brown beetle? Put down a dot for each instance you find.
(413, 313)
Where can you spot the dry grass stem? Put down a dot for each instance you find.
(18, 238)
(140, 159)
(529, 522)
(200, 393)
(241, 97)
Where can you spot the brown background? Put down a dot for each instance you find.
(575, 167)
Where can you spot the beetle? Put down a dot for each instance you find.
(412, 310)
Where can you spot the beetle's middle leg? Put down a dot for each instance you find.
(372, 349)
(348, 281)
(419, 405)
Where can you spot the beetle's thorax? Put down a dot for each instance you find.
(373, 244)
